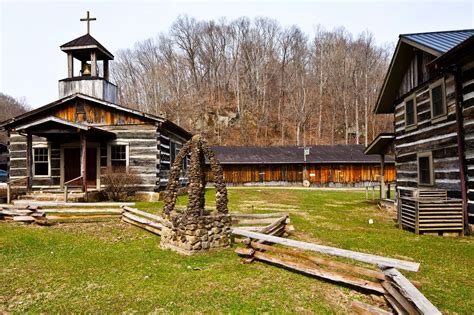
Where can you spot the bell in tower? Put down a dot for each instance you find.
(93, 77)
(86, 69)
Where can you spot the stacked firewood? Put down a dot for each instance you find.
(26, 214)
(400, 293)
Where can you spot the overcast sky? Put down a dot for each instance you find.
(31, 32)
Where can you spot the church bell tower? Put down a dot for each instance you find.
(92, 78)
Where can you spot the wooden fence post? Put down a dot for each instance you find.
(65, 193)
(9, 196)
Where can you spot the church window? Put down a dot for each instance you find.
(41, 162)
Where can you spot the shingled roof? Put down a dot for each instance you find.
(320, 154)
(86, 41)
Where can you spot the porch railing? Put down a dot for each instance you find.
(66, 186)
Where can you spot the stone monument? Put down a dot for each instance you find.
(195, 229)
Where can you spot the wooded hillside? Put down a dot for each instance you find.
(256, 82)
(10, 107)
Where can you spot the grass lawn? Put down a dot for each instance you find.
(112, 267)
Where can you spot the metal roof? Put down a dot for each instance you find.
(433, 43)
(440, 41)
(319, 154)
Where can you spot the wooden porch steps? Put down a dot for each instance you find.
(53, 195)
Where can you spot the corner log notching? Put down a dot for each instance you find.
(195, 229)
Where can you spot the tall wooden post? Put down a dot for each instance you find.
(70, 65)
(83, 151)
(106, 69)
(93, 63)
(382, 176)
(29, 161)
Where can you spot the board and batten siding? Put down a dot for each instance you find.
(346, 175)
(467, 90)
(436, 136)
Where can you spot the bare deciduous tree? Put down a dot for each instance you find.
(254, 82)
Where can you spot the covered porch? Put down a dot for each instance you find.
(62, 154)
(382, 146)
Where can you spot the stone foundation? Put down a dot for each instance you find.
(195, 234)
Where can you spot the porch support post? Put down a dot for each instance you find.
(382, 176)
(29, 161)
(83, 151)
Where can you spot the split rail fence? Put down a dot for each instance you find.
(261, 234)
(400, 293)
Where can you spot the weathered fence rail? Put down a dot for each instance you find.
(400, 293)
(367, 258)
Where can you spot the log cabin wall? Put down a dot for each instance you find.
(467, 86)
(143, 138)
(428, 135)
(319, 175)
(169, 145)
(143, 153)
(17, 160)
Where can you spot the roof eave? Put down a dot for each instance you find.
(379, 143)
(101, 49)
(9, 122)
(429, 50)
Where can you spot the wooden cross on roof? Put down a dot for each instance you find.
(88, 19)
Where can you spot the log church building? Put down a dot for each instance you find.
(73, 140)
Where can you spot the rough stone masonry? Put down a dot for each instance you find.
(195, 229)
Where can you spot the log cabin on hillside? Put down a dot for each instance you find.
(325, 166)
(72, 141)
(428, 89)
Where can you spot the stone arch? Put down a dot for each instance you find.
(197, 181)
